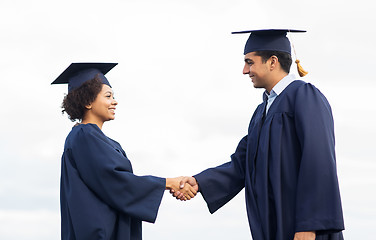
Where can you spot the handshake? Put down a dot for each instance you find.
(182, 188)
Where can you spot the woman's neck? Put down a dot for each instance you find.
(93, 121)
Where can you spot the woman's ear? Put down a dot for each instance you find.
(88, 107)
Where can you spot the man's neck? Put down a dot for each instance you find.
(275, 79)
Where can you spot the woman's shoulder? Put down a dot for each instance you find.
(87, 129)
(89, 133)
(80, 132)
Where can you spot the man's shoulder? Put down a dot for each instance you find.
(295, 85)
(290, 92)
(301, 88)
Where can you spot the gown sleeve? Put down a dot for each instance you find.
(220, 184)
(108, 173)
(318, 203)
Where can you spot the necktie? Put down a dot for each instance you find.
(265, 105)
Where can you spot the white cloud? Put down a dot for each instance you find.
(29, 225)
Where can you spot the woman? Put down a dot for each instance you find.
(100, 197)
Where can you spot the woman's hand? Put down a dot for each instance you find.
(305, 236)
(185, 193)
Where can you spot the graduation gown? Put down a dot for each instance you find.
(287, 165)
(100, 197)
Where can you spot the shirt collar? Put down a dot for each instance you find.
(281, 85)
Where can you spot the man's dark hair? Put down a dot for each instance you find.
(284, 58)
(75, 102)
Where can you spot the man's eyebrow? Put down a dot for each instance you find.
(247, 60)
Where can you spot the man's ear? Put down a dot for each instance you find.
(273, 62)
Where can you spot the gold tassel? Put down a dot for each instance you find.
(301, 71)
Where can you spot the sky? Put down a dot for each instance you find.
(184, 103)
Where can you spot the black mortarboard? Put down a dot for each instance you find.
(271, 40)
(78, 73)
(268, 39)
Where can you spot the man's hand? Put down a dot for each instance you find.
(191, 182)
(305, 236)
(180, 192)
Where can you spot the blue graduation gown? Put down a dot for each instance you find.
(100, 197)
(287, 165)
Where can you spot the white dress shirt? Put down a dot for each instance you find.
(277, 89)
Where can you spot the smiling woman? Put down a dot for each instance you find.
(100, 197)
(93, 102)
(102, 109)
(75, 102)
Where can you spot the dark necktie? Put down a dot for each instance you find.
(265, 97)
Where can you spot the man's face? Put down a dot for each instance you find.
(256, 69)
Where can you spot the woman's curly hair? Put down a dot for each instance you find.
(75, 102)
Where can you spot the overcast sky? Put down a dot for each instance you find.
(183, 102)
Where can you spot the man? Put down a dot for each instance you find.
(286, 163)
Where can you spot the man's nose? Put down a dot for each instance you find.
(246, 69)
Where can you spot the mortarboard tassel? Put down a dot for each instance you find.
(301, 71)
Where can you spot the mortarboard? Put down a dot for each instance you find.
(78, 73)
(270, 40)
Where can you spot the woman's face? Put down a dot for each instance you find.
(103, 108)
